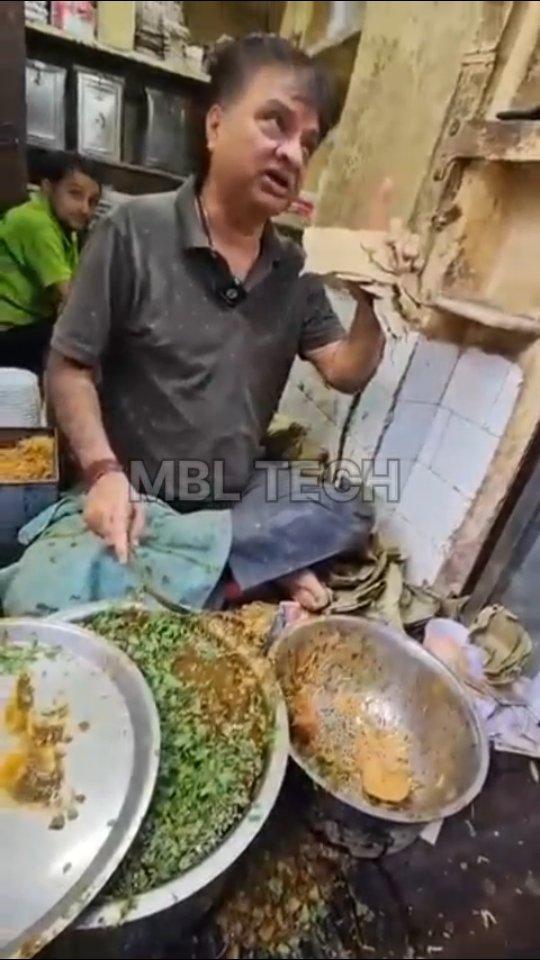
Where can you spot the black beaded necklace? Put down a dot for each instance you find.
(233, 291)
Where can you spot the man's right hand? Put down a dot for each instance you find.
(113, 512)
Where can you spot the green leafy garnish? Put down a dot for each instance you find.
(214, 738)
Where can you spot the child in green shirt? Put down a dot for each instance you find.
(39, 251)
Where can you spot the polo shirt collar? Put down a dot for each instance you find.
(193, 235)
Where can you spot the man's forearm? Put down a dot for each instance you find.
(357, 357)
(75, 401)
(365, 342)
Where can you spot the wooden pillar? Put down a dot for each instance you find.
(13, 177)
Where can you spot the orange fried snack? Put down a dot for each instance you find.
(29, 459)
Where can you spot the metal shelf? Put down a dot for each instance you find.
(124, 177)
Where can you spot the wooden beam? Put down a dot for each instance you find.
(12, 105)
(487, 315)
(512, 141)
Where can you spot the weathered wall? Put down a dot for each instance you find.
(213, 19)
(404, 76)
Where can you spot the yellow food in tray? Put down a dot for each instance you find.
(34, 771)
(26, 460)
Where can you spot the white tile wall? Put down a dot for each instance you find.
(405, 469)
(499, 414)
(387, 478)
(425, 557)
(397, 356)
(464, 454)
(368, 421)
(476, 384)
(476, 393)
(388, 484)
(434, 438)
(430, 370)
(407, 433)
(432, 505)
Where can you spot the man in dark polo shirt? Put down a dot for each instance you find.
(194, 310)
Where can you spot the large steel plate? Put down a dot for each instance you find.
(48, 875)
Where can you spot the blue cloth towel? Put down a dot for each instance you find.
(182, 556)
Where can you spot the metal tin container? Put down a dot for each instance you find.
(99, 99)
(21, 501)
(193, 893)
(164, 142)
(45, 104)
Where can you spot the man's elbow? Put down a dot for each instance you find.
(350, 379)
(63, 374)
(349, 384)
(350, 374)
(54, 360)
(57, 364)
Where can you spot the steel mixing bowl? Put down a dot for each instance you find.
(402, 687)
(194, 892)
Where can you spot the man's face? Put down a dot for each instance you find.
(260, 144)
(74, 199)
